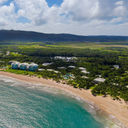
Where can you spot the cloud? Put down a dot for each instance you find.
(2, 1)
(32, 10)
(72, 16)
(80, 10)
(120, 9)
(7, 14)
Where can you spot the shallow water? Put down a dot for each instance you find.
(42, 107)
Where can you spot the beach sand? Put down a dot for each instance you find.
(117, 109)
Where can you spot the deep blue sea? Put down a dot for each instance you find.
(24, 105)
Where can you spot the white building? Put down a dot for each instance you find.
(51, 70)
(116, 66)
(82, 68)
(24, 66)
(32, 67)
(67, 59)
(41, 69)
(99, 80)
(46, 64)
(84, 71)
(15, 65)
(85, 77)
(71, 66)
(61, 67)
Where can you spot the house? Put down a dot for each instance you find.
(12, 61)
(116, 66)
(23, 66)
(67, 59)
(51, 70)
(85, 72)
(71, 66)
(82, 68)
(15, 65)
(46, 64)
(85, 77)
(61, 67)
(99, 80)
(32, 67)
(41, 69)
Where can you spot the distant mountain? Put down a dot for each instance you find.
(26, 36)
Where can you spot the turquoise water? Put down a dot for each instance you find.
(35, 107)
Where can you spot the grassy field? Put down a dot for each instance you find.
(109, 46)
(85, 45)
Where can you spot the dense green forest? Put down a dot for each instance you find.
(16, 35)
(100, 60)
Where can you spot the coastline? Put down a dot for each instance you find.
(118, 109)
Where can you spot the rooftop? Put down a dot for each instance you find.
(99, 79)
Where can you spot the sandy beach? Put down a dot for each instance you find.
(118, 109)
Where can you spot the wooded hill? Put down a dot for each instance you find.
(28, 36)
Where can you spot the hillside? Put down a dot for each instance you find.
(12, 35)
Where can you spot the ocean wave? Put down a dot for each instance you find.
(89, 106)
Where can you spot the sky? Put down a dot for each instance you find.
(82, 17)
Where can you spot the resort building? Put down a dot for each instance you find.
(85, 77)
(83, 70)
(47, 64)
(98, 80)
(67, 59)
(51, 70)
(71, 66)
(41, 69)
(24, 66)
(15, 65)
(32, 67)
(116, 66)
(61, 67)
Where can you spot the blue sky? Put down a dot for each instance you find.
(85, 17)
(54, 2)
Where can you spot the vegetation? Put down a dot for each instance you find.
(98, 59)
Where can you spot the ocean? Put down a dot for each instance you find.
(25, 105)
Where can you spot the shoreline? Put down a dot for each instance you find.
(117, 109)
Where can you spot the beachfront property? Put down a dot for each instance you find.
(32, 67)
(51, 70)
(15, 65)
(68, 76)
(24, 66)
